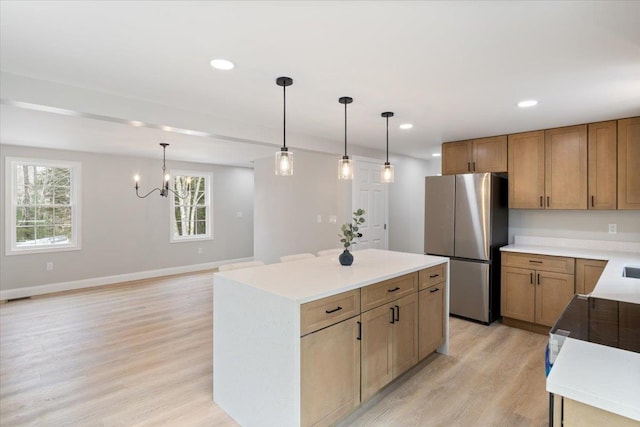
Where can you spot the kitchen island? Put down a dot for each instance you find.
(277, 328)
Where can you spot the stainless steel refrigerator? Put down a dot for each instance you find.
(467, 219)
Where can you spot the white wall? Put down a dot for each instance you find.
(592, 225)
(286, 208)
(406, 203)
(123, 234)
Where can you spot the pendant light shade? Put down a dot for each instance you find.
(345, 164)
(386, 174)
(284, 158)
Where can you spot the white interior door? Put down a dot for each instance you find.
(371, 195)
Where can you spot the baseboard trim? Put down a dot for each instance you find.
(110, 280)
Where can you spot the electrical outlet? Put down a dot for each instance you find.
(613, 228)
(333, 219)
(319, 219)
(199, 251)
(239, 214)
(49, 266)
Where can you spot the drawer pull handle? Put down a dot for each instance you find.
(434, 290)
(334, 310)
(535, 261)
(394, 289)
(393, 315)
(397, 313)
(359, 337)
(433, 276)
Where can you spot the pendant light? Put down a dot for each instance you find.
(345, 165)
(387, 170)
(284, 158)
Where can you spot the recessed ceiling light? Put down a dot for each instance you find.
(406, 126)
(222, 64)
(527, 103)
(435, 155)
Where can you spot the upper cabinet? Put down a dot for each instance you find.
(548, 169)
(629, 163)
(602, 171)
(475, 155)
(565, 167)
(526, 170)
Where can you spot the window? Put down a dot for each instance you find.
(43, 212)
(191, 213)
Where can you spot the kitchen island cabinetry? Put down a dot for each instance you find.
(431, 309)
(306, 342)
(476, 155)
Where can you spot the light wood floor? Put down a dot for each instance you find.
(140, 354)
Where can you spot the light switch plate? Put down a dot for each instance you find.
(613, 228)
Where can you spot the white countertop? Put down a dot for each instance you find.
(604, 377)
(314, 278)
(614, 386)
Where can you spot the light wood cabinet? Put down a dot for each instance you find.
(526, 170)
(327, 311)
(603, 165)
(537, 294)
(389, 343)
(432, 276)
(548, 169)
(476, 155)
(571, 413)
(431, 310)
(588, 271)
(330, 373)
(629, 163)
(389, 290)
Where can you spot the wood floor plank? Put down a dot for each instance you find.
(140, 354)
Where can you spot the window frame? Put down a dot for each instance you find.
(11, 203)
(208, 196)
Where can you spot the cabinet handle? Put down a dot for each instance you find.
(592, 201)
(433, 276)
(393, 315)
(397, 313)
(548, 201)
(468, 166)
(474, 166)
(434, 290)
(359, 337)
(535, 261)
(541, 205)
(394, 289)
(334, 310)
(538, 279)
(531, 278)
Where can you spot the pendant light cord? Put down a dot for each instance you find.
(284, 117)
(387, 139)
(345, 129)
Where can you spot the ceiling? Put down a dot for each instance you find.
(455, 70)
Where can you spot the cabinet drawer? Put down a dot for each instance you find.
(325, 312)
(539, 262)
(432, 276)
(389, 290)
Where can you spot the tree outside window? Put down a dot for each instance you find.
(43, 205)
(191, 217)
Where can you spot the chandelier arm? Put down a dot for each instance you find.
(148, 194)
(178, 195)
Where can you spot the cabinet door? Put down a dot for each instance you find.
(565, 152)
(629, 163)
(430, 320)
(518, 293)
(526, 170)
(588, 272)
(603, 169)
(553, 293)
(457, 157)
(405, 334)
(628, 330)
(330, 373)
(377, 349)
(490, 154)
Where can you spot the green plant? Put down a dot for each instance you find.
(351, 231)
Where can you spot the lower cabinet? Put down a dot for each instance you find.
(571, 413)
(330, 373)
(389, 343)
(588, 271)
(430, 319)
